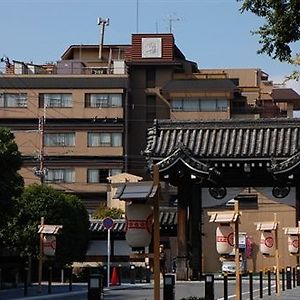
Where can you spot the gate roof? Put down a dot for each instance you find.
(206, 146)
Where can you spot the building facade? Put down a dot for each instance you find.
(85, 118)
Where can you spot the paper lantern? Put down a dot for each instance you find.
(293, 243)
(267, 243)
(139, 219)
(49, 245)
(224, 239)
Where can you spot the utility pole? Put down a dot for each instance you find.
(102, 23)
(41, 257)
(40, 171)
(156, 234)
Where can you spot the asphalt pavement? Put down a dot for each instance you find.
(144, 291)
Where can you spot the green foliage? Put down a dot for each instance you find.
(10, 163)
(11, 183)
(57, 208)
(281, 28)
(104, 211)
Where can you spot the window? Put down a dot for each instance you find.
(100, 175)
(199, 105)
(60, 139)
(102, 139)
(60, 176)
(55, 100)
(103, 100)
(150, 108)
(13, 100)
(150, 78)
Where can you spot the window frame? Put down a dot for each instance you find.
(20, 100)
(109, 98)
(63, 173)
(61, 102)
(72, 137)
(99, 135)
(100, 177)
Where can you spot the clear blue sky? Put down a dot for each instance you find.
(212, 33)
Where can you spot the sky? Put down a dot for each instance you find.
(213, 33)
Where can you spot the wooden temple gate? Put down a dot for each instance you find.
(219, 155)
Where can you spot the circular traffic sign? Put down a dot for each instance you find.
(108, 222)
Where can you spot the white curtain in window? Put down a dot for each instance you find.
(105, 139)
(98, 100)
(60, 139)
(116, 100)
(93, 139)
(116, 139)
(190, 105)
(69, 175)
(1, 100)
(93, 175)
(177, 105)
(58, 100)
(208, 105)
(11, 100)
(61, 175)
(222, 104)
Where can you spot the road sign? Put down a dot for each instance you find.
(108, 223)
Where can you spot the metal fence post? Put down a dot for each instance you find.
(251, 285)
(269, 282)
(283, 279)
(225, 276)
(260, 284)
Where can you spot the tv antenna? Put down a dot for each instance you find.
(171, 19)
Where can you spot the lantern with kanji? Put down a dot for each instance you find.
(293, 243)
(139, 219)
(267, 243)
(224, 239)
(49, 245)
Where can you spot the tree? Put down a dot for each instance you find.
(57, 208)
(281, 29)
(11, 183)
(103, 211)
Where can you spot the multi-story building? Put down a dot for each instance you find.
(68, 120)
(85, 118)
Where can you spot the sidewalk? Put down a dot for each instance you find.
(292, 294)
(58, 290)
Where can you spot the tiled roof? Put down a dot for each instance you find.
(167, 219)
(232, 140)
(284, 95)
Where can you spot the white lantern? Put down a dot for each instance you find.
(293, 243)
(49, 245)
(139, 219)
(267, 243)
(224, 239)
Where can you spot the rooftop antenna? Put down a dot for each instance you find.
(137, 16)
(171, 19)
(102, 23)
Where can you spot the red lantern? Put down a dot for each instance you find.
(49, 245)
(139, 219)
(224, 239)
(293, 243)
(267, 243)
